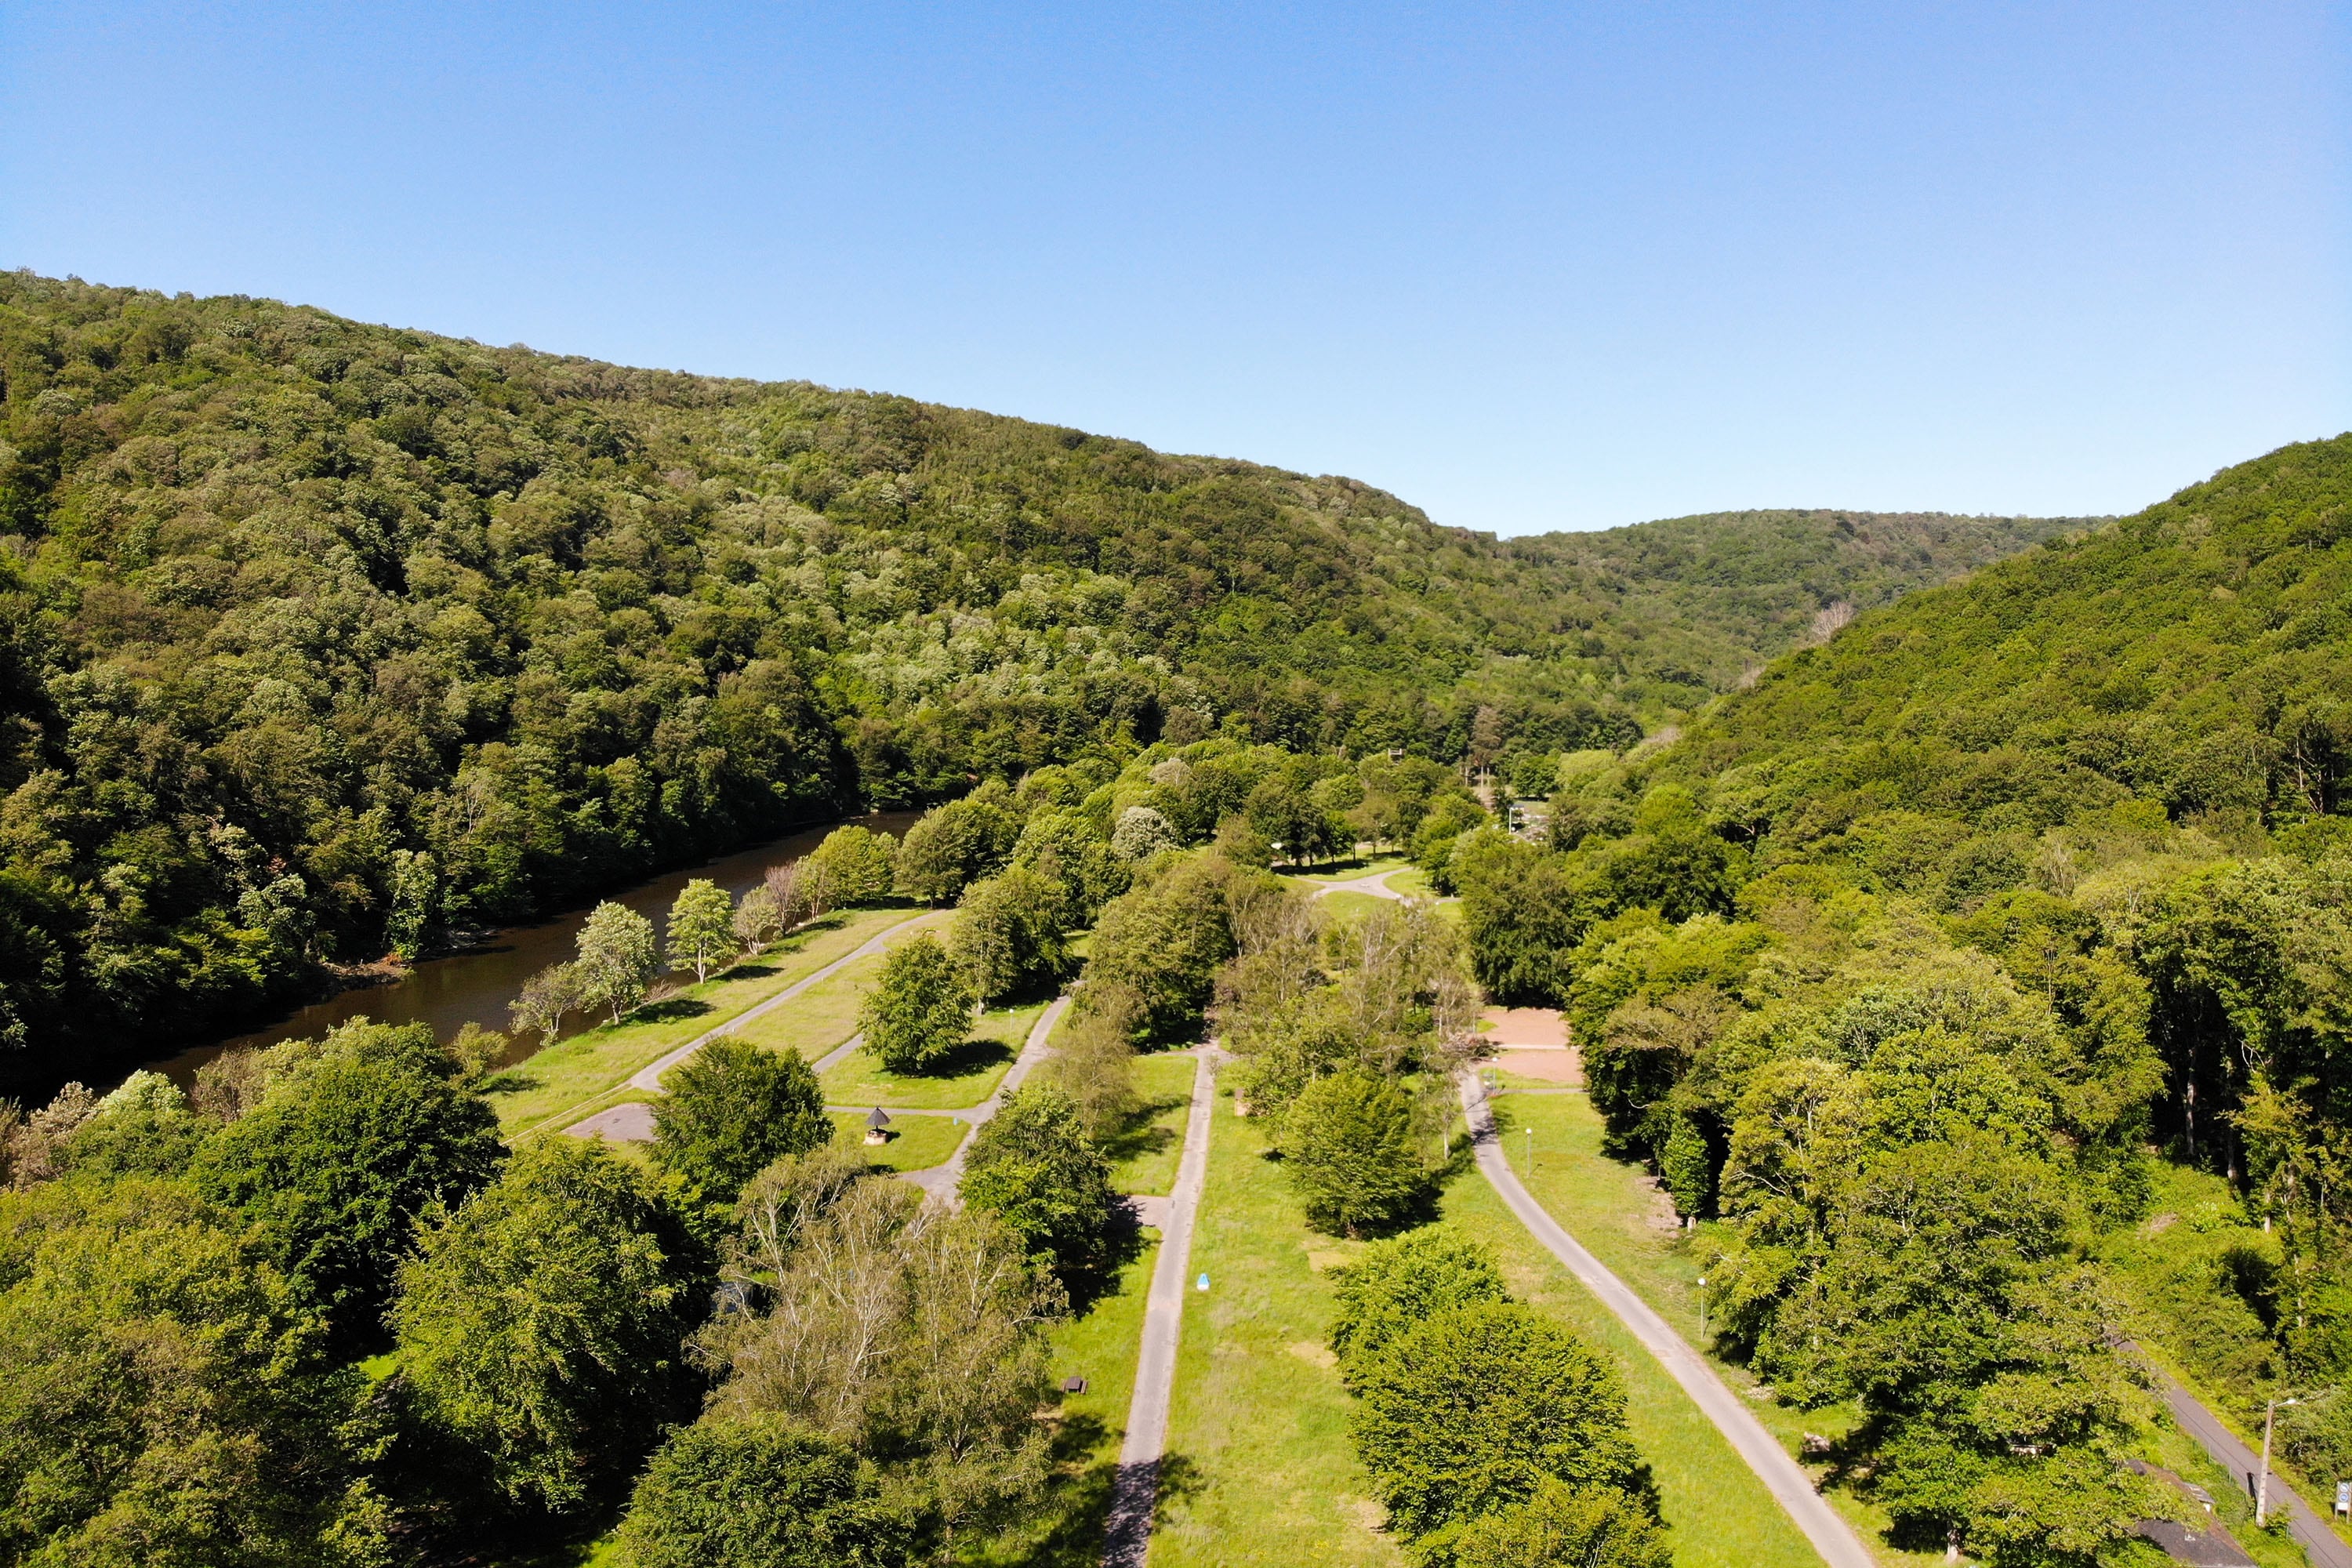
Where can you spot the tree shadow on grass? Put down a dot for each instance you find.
(670, 1011)
(1140, 1135)
(967, 1059)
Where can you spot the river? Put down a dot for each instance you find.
(477, 985)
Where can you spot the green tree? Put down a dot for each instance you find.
(345, 1151)
(1472, 1411)
(733, 1109)
(701, 927)
(1033, 1164)
(617, 958)
(1067, 850)
(1565, 1527)
(1142, 833)
(920, 1009)
(545, 1000)
(1163, 940)
(172, 1402)
(1348, 1145)
(1398, 1284)
(760, 1491)
(541, 1322)
(1007, 934)
(955, 845)
(416, 903)
(759, 919)
(854, 867)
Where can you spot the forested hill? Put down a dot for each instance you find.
(318, 636)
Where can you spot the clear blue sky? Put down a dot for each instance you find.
(1528, 266)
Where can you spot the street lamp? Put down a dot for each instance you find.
(2262, 1486)
(1702, 1311)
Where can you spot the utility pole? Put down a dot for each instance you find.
(1531, 1150)
(2263, 1486)
(1702, 1311)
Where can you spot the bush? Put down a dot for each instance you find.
(345, 1150)
(1474, 1410)
(1397, 1286)
(1349, 1142)
(731, 1109)
(1565, 1527)
(541, 1322)
(756, 1492)
(1033, 1164)
(920, 1009)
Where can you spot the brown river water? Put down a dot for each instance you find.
(477, 985)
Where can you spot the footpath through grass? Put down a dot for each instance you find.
(1144, 1155)
(1621, 1217)
(574, 1072)
(1259, 1469)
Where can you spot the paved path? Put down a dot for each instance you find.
(648, 1079)
(1832, 1537)
(942, 1180)
(1135, 1490)
(1376, 885)
(2320, 1543)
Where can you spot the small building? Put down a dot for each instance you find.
(877, 1126)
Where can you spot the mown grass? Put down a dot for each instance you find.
(1145, 1154)
(1350, 906)
(1612, 1208)
(1347, 870)
(568, 1074)
(1412, 883)
(917, 1143)
(1259, 1469)
(1721, 1514)
(965, 1079)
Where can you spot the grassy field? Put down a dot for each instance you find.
(964, 1079)
(1412, 883)
(1348, 871)
(1144, 1157)
(1350, 906)
(565, 1077)
(921, 1142)
(1621, 1217)
(1259, 1469)
(1721, 1515)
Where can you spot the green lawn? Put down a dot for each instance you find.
(824, 1015)
(550, 1085)
(965, 1079)
(1351, 906)
(1412, 883)
(921, 1142)
(1101, 1346)
(1609, 1206)
(1259, 1469)
(1144, 1157)
(1721, 1515)
(1349, 870)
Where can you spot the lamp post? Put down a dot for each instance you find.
(1702, 1311)
(1531, 1149)
(2263, 1485)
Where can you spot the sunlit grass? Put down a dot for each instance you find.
(1145, 1156)
(917, 1142)
(966, 1078)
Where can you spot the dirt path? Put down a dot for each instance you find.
(942, 1180)
(1832, 1536)
(1135, 1490)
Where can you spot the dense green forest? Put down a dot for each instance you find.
(319, 639)
(1967, 955)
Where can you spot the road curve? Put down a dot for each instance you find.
(1135, 1490)
(1832, 1536)
(648, 1078)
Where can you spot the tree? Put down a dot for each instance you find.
(788, 889)
(854, 866)
(1032, 1163)
(1142, 833)
(733, 1109)
(1163, 940)
(1400, 1284)
(956, 843)
(701, 927)
(1348, 1142)
(1565, 1527)
(172, 1400)
(616, 958)
(546, 997)
(920, 1009)
(1095, 1064)
(1067, 850)
(759, 919)
(757, 1490)
(415, 896)
(1472, 1411)
(1007, 934)
(345, 1151)
(541, 1322)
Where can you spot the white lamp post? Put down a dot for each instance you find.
(2263, 1486)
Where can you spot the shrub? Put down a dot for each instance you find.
(731, 1109)
(1474, 1410)
(1565, 1527)
(920, 1009)
(1397, 1286)
(756, 1492)
(1349, 1142)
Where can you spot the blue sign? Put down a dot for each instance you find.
(1201, 1283)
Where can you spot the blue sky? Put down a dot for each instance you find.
(1530, 267)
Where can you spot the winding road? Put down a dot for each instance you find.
(1790, 1487)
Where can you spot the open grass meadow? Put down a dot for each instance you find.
(551, 1084)
(1347, 870)
(1618, 1213)
(1350, 906)
(1259, 1469)
(965, 1079)
(1144, 1156)
(917, 1142)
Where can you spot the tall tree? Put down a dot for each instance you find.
(701, 927)
(920, 1009)
(733, 1109)
(616, 958)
